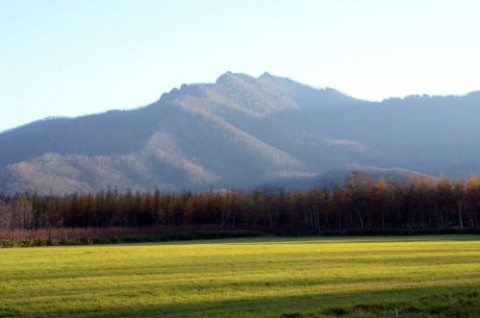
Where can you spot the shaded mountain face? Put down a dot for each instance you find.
(240, 132)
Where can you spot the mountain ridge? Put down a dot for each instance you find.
(239, 132)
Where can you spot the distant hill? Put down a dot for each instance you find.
(240, 132)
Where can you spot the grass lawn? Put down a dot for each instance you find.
(420, 276)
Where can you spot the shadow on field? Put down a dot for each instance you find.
(323, 239)
(419, 302)
(7, 312)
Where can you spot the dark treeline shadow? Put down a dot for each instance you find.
(362, 205)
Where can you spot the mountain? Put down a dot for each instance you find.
(239, 132)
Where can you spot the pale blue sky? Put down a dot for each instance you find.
(68, 58)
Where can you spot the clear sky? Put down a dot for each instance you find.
(68, 58)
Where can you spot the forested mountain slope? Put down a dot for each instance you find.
(240, 132)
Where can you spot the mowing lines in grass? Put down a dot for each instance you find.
(238, 277)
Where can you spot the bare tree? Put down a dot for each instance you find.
(5, 215)
(22, 213)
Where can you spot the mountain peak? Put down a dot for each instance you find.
(225, 77)
(266, 75)
(230, 77)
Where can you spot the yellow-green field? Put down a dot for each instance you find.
(264, 277)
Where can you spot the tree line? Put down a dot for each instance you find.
(360, 204)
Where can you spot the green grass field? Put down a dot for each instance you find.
(422, 276)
